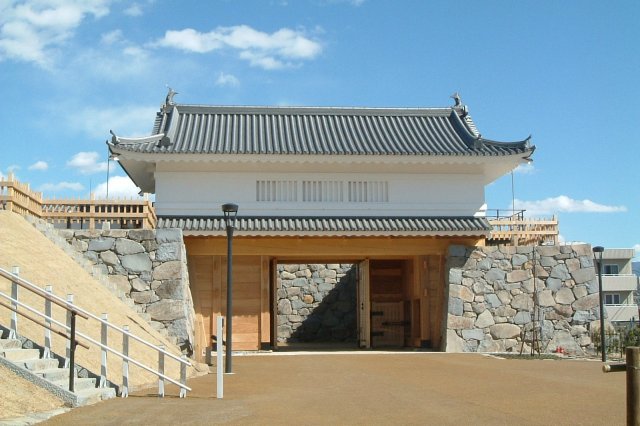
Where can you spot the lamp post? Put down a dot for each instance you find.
(230, 212)
(599, 250)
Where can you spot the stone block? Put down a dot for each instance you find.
(548, 250)
(560, 271)
(565, 311)
(124, 247)
(492, 300)
(518, 260)
(455, 276)
(287, 275)
(144, 297)
(168, 271)
(461, 292)
(587, 302)
(141, 234)
(166, 310)
(583, 275)
(522, 317)
(109, 258)
(455, 306)
(475, 334)
(121, 283)
(458, 323)
(565, 296)
(580, 291)
(170, 235)
(139, 285)
(455, 343)
(101, 244)
(518, 275)
(582, 249)
(522, 302)
(553, 284)
(169, 251)
(485, 319)
(136, 263)
(504, 331)
(171, 289)
(489, 345)
(563, 339)
(494, 275)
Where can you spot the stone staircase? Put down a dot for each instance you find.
(47, 373)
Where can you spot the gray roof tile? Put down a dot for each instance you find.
(275, 225)
(193, 129)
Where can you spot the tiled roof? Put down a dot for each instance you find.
(305, 225)
(193, 129)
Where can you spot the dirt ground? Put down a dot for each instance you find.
(372, 388)
(20, 396)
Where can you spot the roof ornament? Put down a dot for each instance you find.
(169, 100)
(458, 104)
(457, 99)
(114, 138)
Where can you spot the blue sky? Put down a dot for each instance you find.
(565, 72)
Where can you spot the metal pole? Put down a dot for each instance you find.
(633, 381)
(72, 356)
(603, 343)
(227, 368)
(219, 375)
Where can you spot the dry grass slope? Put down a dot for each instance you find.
(43, 263)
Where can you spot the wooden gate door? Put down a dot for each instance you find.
(364, 305)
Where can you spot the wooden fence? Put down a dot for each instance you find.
(76, 213)
(518, 230)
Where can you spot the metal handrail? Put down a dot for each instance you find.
(29, 308)
(86, 314)
(37, 290)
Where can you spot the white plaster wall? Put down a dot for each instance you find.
(202, 193)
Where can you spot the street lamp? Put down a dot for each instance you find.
(230, 212)
(599, 250)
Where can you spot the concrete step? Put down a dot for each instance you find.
(80, 383)
(40, 364)
(91, 396)
(53, 374)
(20, 354)
(10, 344)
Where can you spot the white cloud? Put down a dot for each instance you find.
(61, 186)
(111, 37)
(564, 204)
(130, 121)
(281, 48)
(39, 165)
(227, 80)
(13, 167)
(525, 169)
(31, 30)
(134, 10)
(119, 187)
(87, 163)
(636, 247)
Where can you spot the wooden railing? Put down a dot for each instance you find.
(18, 197)
(513, 227)
(76, 213)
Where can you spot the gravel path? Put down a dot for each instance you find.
(371, 388)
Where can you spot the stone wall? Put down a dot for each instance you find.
(494, 294)
(316, 303)
(148, 267)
